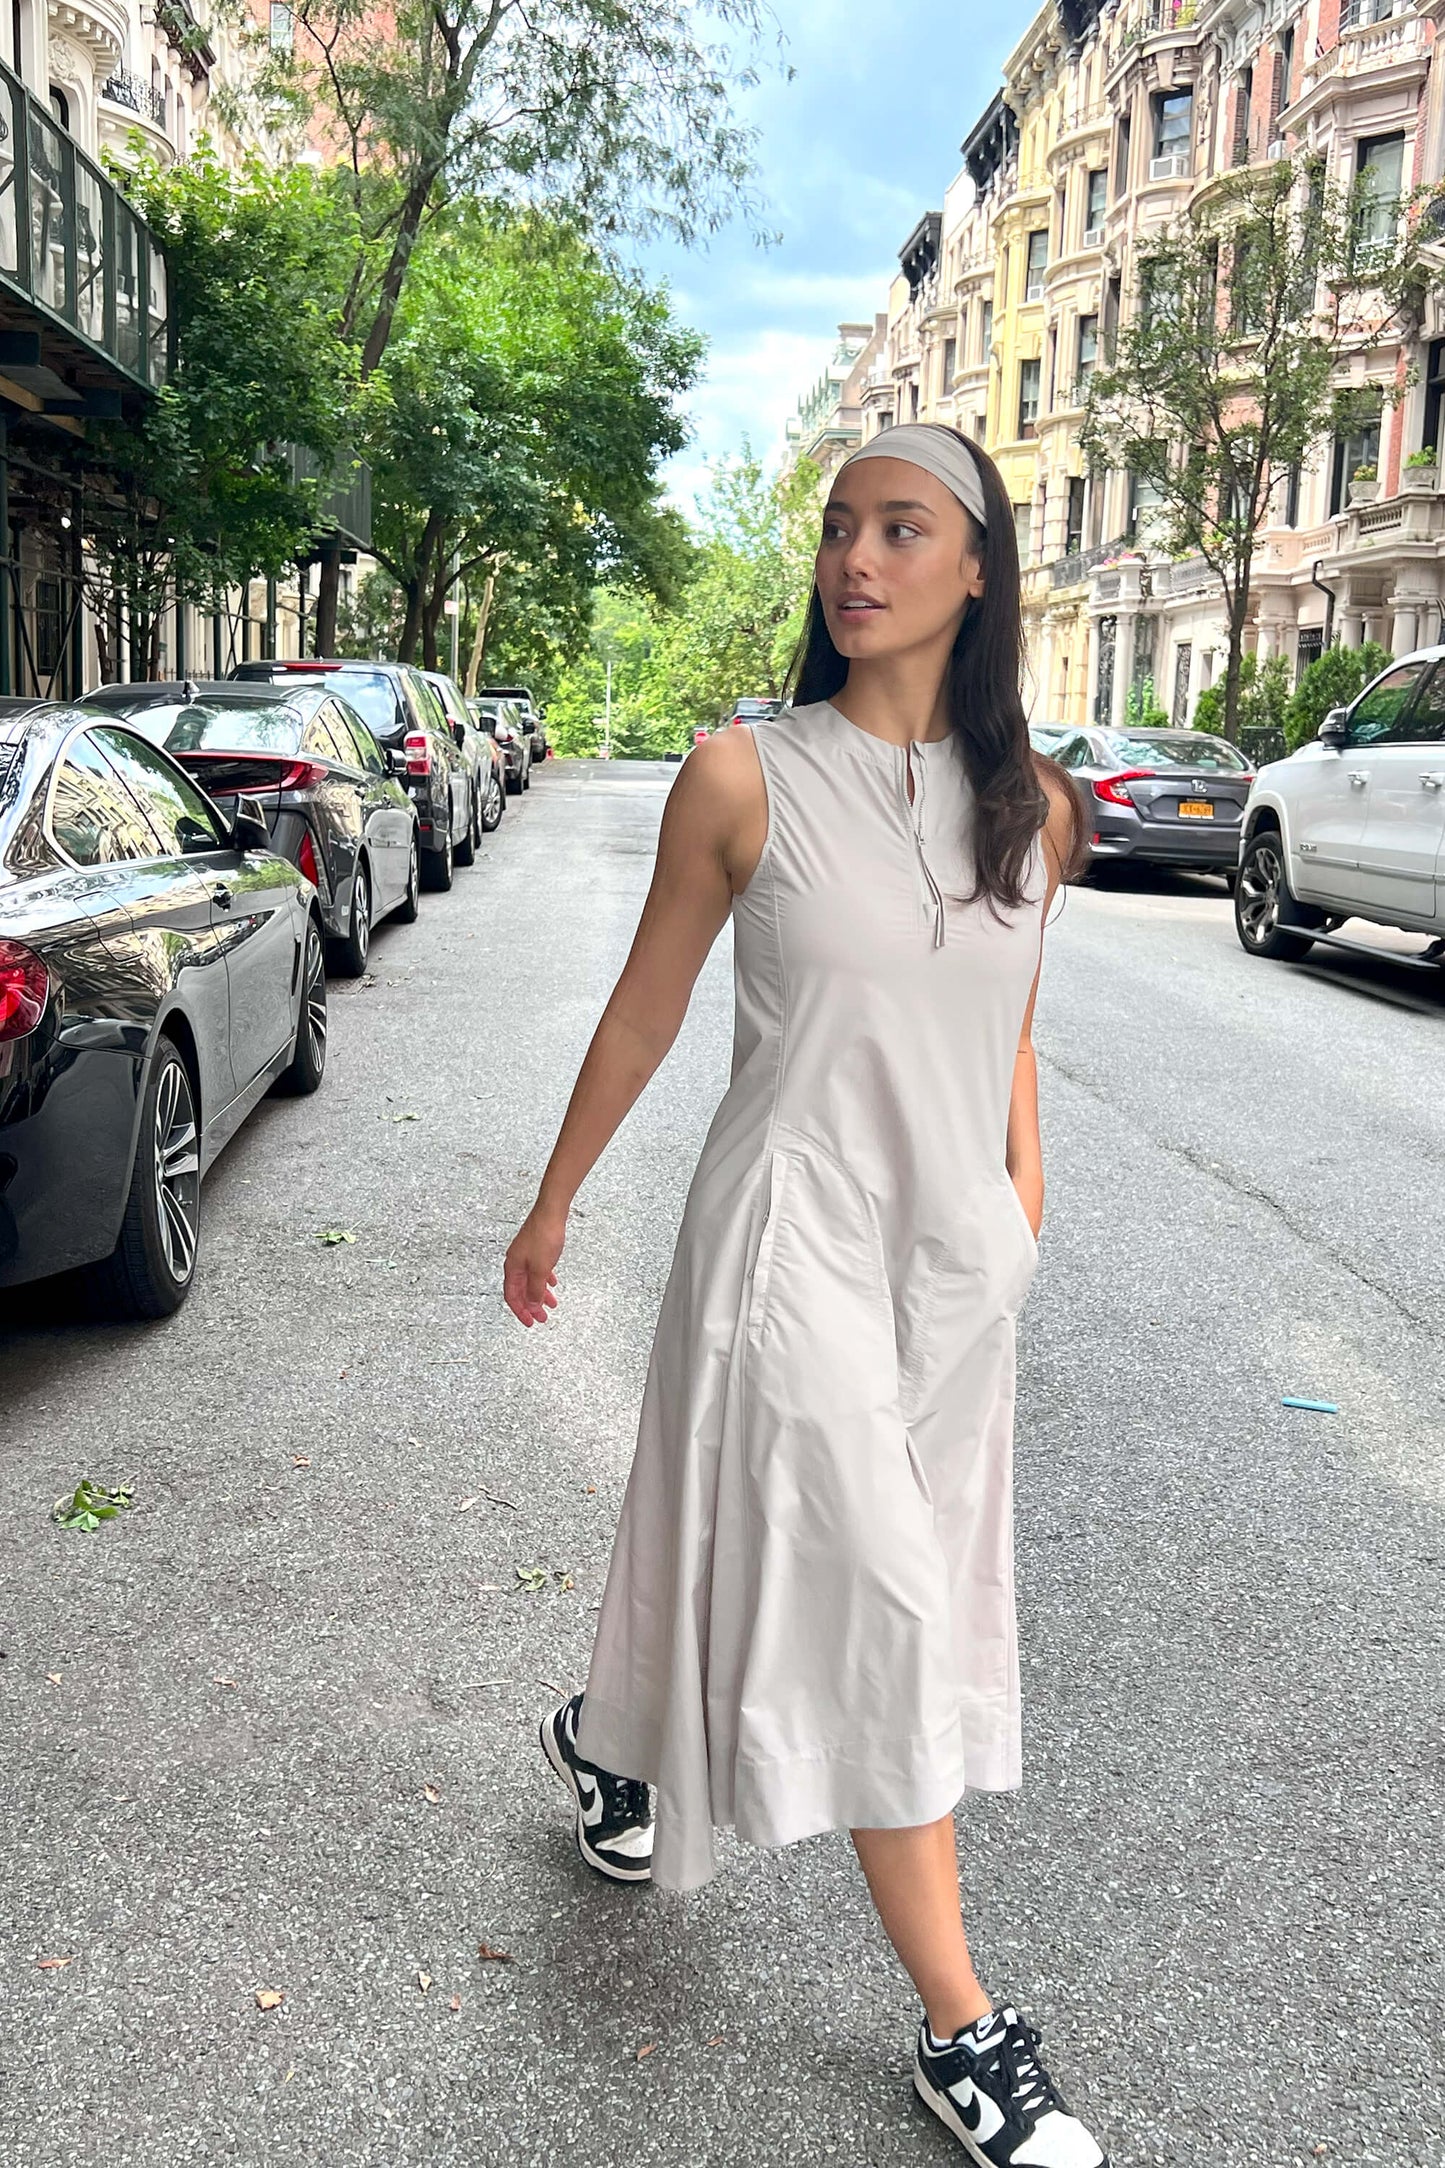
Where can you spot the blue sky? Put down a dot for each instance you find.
(853, 151)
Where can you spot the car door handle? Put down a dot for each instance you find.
(221, 896)
(1432, 778)
(1358, 775)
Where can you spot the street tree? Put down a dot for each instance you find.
(199, 493)
(531, 395)
(621, 111)
(1225, 375)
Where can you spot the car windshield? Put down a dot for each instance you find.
(196, 726)
(1182, 749)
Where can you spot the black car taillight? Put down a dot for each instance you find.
(418, 753)
(24, 990)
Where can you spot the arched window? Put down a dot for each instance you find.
(60, 105)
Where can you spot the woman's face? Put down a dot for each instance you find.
(898, 563)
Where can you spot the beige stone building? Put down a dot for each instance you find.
(1108, 121)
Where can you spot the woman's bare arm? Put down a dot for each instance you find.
(712, 834)
(1024, 1150)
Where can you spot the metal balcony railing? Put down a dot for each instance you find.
(72, 247)
(135, 95)
(343, 503)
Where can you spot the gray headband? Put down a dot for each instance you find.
(939, 451)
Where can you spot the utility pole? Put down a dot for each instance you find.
(607, 719)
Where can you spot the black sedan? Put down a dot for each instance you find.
(405, 717)
(331, 802)
(160, 970)
(1175, 797)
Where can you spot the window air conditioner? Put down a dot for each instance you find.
(1093, 237)
(1174, 167)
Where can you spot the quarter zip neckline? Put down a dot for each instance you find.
(914, 764)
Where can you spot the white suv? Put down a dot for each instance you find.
(1353, 824)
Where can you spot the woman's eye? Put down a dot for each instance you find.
(901, 531)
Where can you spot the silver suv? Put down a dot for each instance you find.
(1353, 824)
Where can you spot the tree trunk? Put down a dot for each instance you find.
(411, 622)
(1239, 604)
(434, 612)
(328, 590)
(413, 210)
(479, 635)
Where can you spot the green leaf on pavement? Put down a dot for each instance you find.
(532, 1578)
(89, 1504)
(330, 1236)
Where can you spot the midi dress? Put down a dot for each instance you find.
(808, 1620)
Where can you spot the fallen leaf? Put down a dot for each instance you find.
(225, 1682)
(650, 2049)
(54, 1677)
(532, 1578)
(53, 1964)
(429, 1791)
(331, 1237)
(564, 1581)
(455, 2003)
(406, 1117)
(466, 1505)
(413, 1441)
(301, 1460)
(592, 1490)
(269, 1998)
(289, 2075)
(716, 2041)
(501, 1957)
(423, 1981)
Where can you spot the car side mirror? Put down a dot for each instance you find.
(248, 826)
(459, 732)
(1335, 728)
(395, 760)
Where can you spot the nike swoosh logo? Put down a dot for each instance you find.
(590, 1798)
(974, 2102)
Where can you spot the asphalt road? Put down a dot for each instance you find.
(1220, 1889)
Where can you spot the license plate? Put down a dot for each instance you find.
(1199, 809)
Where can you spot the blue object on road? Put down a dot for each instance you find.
(1325, 1407)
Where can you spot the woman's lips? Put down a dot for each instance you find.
(856, 606)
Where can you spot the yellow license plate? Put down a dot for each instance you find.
(1196, 809)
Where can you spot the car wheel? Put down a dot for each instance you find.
(1261, 893)
(408, 909)
(437, 871)
(307, 1065)
(467, 848)
(351, 953)
(494, 805)
(149, 1272)
(527, 776)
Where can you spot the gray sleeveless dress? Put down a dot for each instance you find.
(808, 1622)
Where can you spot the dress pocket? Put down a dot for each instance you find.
(1023, 1218)
(761, 1269)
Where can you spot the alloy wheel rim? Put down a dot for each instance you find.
(316, 999)
(413, 871)
(361, 912)
(177, 1170)
(1259, 893)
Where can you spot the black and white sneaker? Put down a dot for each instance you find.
(614, 1814)
(990, 2088)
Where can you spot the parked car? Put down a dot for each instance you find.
(160, 969)
(1048, 737)
(751, 711)
(405, 717)
(325, 788)
(501, 720)
(1171, 797)
(529, 714)
(486, 762)
(1352, 825)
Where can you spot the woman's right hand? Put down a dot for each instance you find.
(529, 1274)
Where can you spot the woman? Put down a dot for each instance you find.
(808, 1622)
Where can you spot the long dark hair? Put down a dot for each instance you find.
(985, 706)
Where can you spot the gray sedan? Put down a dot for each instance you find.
(1172, 797)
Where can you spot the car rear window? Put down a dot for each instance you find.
(198, 727)
(1188, 749)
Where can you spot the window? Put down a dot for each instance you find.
(176, 809)
(1381, 713)
(283, 27)
(985, 340)
(1038, 257)
(1088, 355)
(1029, 374)
(950, 362)
(1145, 499)
(371, 755)
(1245, 297)
(1173, 126)
(1023, 520)
(1096, 186)
(93, 817)
(1074, 517)
(1361, 448)
(1121, 157)
(913, 400)
(1291, 496)
(193, 725)
(1286, 67)
(1377, 204)
(1434, 393)
(1309, 649)
(1243, 99)
(322, 740)
(426, 709)
(1427, 717)
(60, 105)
